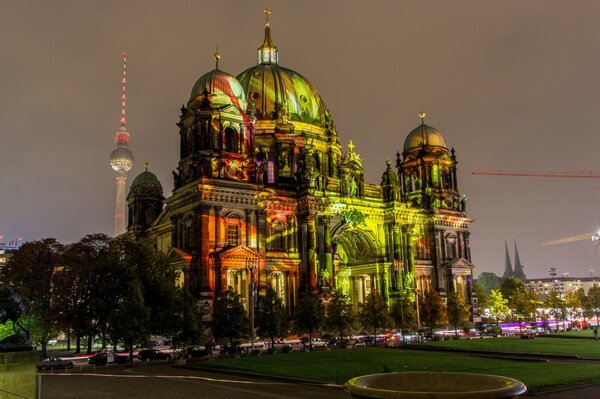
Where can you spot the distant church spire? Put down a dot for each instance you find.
(267, 52)
(508, 270)
(518, 272)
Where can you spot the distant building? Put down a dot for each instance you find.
(563, 285)
(6, 251)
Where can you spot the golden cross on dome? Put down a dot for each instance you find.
(267, 12)
(351, 146)
(217, 56)
(422, 114)
(146, 164)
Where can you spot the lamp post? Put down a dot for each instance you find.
(397, 266)
(251, 266)
(417, 305)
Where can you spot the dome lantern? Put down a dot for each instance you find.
(267, 52)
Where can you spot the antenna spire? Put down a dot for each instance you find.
(124, 92)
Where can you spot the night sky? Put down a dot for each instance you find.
(511, 85)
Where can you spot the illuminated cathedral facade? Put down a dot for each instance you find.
(265, 192)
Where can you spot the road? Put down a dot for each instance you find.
(165, 381)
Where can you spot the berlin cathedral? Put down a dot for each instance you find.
(265, 193)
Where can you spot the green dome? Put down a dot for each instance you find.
(146, 179)
(424, 135)
(270, 85)
(222, 88)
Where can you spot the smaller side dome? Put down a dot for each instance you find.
(146, 179)
(424, 135)
(221, 87)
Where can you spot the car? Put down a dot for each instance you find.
(54, 363)
(145, 355)
(230, 349)
(196, 351)
(103, 357)
(52, 342)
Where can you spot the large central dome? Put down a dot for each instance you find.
(272, 87)
(276, 91)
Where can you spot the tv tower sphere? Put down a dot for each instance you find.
(121, 158)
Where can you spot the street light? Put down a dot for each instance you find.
(417, 305)
(251, 266)
(397, 265)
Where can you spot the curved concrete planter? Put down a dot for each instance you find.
(434, 385)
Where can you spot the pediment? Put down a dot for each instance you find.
(235, 253)
(459, 264)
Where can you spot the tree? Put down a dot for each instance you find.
(594, 301)
(340, 316)
(310, 315)
(271, 319)
(129, 322)
(229, 318)
(586, 305)
(432, 310)
(510, 285)
(573, 304)
(403, 313)
(373, 314)
(555, 305)
(30, 273)
(482, 296)
(488, 281)
(458, 310)
(497, 305)
(189, 329)
(522, 305)
(84, 263)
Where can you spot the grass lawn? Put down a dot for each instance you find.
(587, 348)
(338, 366)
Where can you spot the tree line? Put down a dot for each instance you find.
(510, 300)
(118, 290)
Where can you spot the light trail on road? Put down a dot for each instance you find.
(185, 377)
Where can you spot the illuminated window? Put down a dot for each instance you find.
(233, 234)
(278, 285)
(271, 169)
(232, 229)
(277, 240)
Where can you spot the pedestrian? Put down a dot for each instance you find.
(596, 333)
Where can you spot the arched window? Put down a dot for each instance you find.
(277, 238)
(278, 285)
(230, 140)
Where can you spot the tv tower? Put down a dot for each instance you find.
(121, 159)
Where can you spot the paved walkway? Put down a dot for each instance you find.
(590, 391)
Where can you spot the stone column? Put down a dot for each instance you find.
(312, 252)
(218, 242)
(467, 235)
(304, 274)
(249, 227)
(328, 249)
(261, 228)
(204, 273)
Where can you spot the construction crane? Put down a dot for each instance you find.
(589, 174)
(579, 237)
